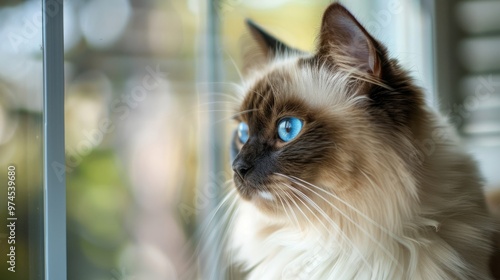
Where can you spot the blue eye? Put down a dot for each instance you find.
(289, 128)
(243, 132)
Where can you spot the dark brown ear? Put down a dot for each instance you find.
(261, 47)
(267, 43)
(343, 40)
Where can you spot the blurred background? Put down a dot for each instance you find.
(149, 96)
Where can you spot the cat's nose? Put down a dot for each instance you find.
(241, 167)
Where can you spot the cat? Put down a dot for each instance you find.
(342, 171)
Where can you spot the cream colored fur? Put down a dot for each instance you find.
(419, 216)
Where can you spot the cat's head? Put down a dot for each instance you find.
(340, 120)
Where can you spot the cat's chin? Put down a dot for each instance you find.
(262, 199)
(271, 194)
(266, 202)
(255, 195)
(249, 191)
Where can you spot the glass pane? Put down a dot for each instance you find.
(131, 114)
(21, 96)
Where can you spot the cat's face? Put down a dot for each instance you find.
(285, 130)
(310, 124)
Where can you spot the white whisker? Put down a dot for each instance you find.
(363, 230)
(335, 226)
(363, 215)
(235, 66)
(282, 199)
(244, 112)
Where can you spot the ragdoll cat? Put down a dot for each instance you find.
(343, 172)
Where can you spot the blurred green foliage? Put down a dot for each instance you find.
(98, 202)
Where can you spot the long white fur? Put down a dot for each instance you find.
(400, 230)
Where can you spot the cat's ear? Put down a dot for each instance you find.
(262, 48)
(344, 40)
(267, 43)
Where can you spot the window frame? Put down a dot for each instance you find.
(54, 177)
